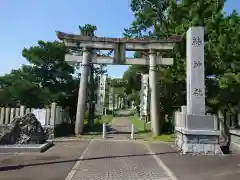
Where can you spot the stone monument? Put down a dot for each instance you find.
(196, 131)
(23, 134)
(125, 101)
(119, 102)
(122, 102)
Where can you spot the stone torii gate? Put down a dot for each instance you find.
(119, 46)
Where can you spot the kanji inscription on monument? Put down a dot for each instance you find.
(195, 71)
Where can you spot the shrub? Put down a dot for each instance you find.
(64, 129)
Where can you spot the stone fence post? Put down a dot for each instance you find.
(22, 110)
(2, 113)
(28, 110)
(17, 112)
(7, 115)
(48, 116)
(12, 114)
(53, 114)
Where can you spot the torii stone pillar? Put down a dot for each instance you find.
(82, 94)
(154, 116)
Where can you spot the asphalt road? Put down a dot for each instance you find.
(199, 167)
(105, 159)
(54, 164)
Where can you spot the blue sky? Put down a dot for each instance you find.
(23, 23)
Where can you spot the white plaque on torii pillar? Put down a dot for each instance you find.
(144, 95)
(111, 100)
(101, 92)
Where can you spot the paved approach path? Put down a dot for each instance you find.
(119, 128)
(119, 159)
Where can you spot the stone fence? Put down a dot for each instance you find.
(48, 117)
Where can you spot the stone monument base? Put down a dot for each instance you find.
(198, 141)
(25, 148)
(235, 140)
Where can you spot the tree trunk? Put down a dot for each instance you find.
(161, 121)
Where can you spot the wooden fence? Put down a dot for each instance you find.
(50, 116)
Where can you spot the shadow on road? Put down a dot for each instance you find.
(20, 166)
(116, 130)
(110, 130)
(122, 115)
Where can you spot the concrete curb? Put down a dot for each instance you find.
(67, 140)
(26, 148)
(99, 138)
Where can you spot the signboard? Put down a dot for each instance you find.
(101, 92)
(102, 87)
(116, 102)
(144, 96)
(110, 99)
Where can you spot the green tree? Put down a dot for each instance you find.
(51, 70)
(21, 87)
(47, 79)
(221, 48)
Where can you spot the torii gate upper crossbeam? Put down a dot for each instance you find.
(104, 43)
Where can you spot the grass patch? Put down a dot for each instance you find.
(163, 137)
(145, 134)
(123, 113)
(106, 119)
(63, 130)
(100, 120)
(83, 137)
(97, 126)
(139, 125)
